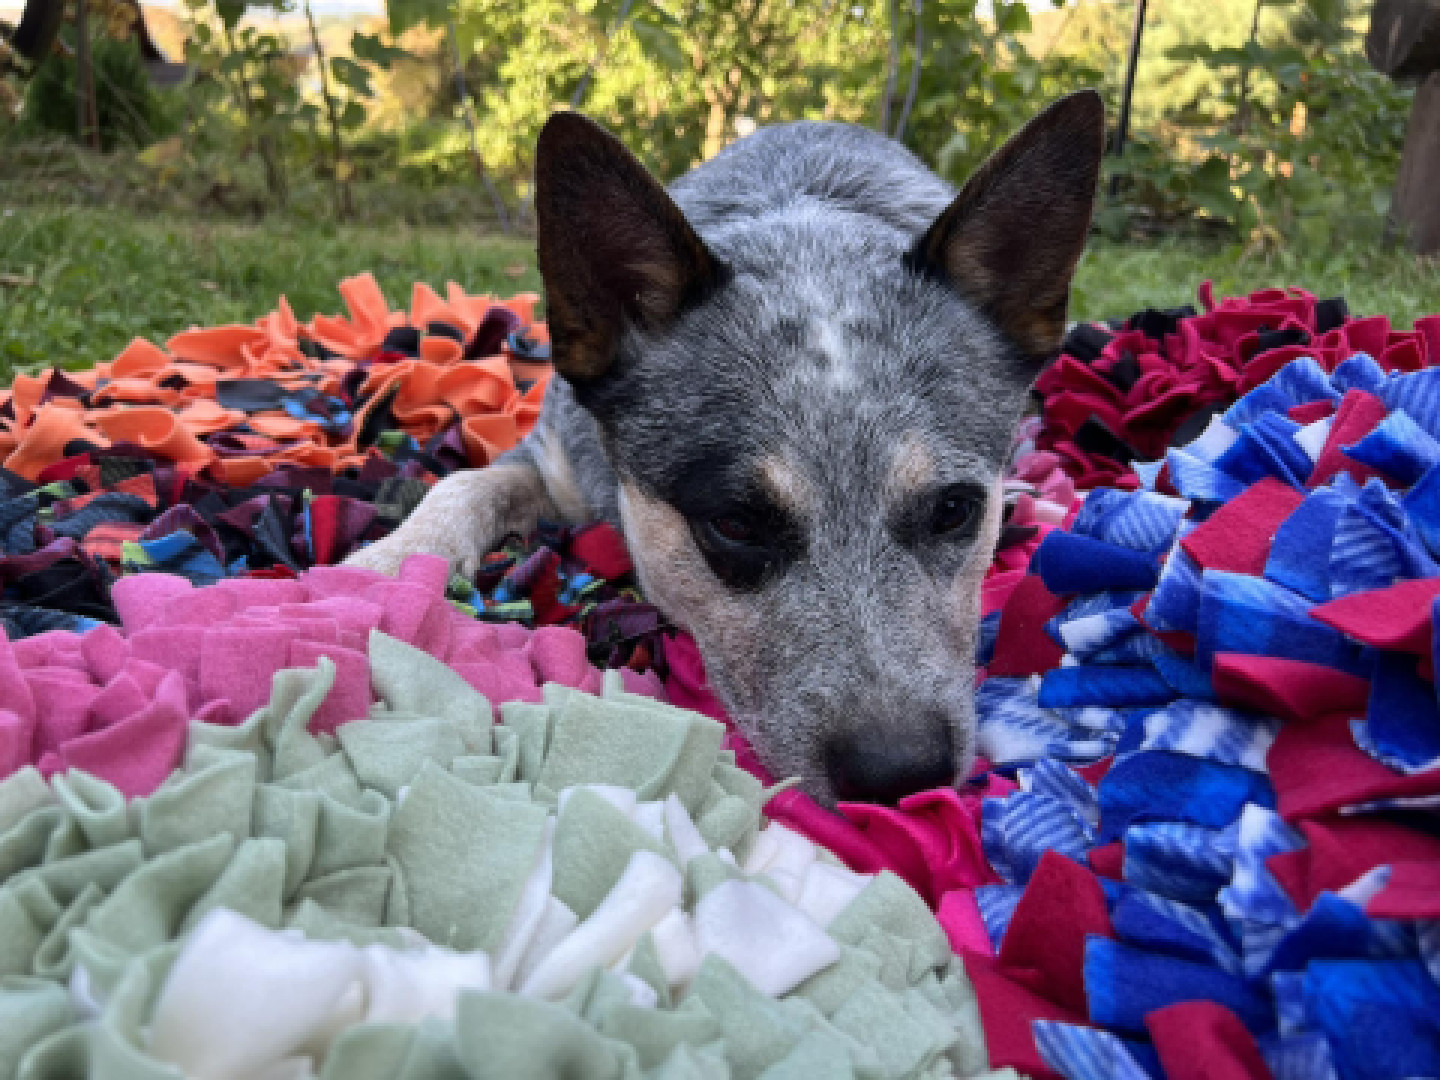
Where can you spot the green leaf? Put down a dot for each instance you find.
(350, 74)
(654, 12)
(370, 49)
(1012, 18)
(659, 43)
(231, 11)
(352, 116)
(407, 13)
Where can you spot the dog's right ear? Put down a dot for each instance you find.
(614, 248)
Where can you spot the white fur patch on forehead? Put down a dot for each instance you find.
(827, 337)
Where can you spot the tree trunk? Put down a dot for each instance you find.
(1417, 204)
(892, 62)
(339, 183)
(914, 71)
(579, 96)
(462, 91)
(1404, 38)
(38, 27)
(275, 180)
(87, 114)
(1242, 110)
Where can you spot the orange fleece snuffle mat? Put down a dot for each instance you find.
(233, 403)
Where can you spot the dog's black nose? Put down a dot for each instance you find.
(879, 766)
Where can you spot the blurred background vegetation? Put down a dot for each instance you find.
(1261, 143)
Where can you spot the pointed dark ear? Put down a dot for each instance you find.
(1010, 240)
(613, 247)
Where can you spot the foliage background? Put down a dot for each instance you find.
(302, 146)
(1256, 118)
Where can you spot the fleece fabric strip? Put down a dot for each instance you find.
(1227, 779)
(460, 374)
(587, 889)
(116, 701)
(1124, 391)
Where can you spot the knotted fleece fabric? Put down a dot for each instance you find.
(1126, 390)
(1219, 701)
(586, 889)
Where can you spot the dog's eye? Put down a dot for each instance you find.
(956, 509)
(743, 550)
(735, 530)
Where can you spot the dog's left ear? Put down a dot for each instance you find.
(613, 247)
(1010, 240)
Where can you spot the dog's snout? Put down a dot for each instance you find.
(883, 766)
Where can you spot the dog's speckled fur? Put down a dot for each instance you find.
(816, 324)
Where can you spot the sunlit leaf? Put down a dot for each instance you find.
(659, 43)
(167, 152)
(370, 49)
(350, 74)
(352, 115)
(407, 13)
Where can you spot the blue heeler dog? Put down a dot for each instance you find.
(792, 381)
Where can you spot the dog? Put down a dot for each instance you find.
(791, 382)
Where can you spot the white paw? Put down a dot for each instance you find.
(385, 556)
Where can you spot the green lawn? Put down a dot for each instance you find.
(1116, 280)
(76, 284)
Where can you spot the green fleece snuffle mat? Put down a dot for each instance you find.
(587, 890)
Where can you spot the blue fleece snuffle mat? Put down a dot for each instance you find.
(1248, 651)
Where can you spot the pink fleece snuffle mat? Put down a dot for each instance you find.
(265, 816)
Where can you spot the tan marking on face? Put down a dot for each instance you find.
(675, 578)
(785, 482)
(911, 465)
(965, 589)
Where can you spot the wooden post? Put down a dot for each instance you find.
(1404, 43)
(1417, 190)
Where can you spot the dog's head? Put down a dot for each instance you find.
(809, 414)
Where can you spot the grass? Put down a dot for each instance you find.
(1118, 279)
(78, 282)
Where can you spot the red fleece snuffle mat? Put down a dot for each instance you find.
(265, 816)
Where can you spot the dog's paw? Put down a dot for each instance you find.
(385, 556)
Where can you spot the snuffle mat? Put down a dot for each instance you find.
(265, 816)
